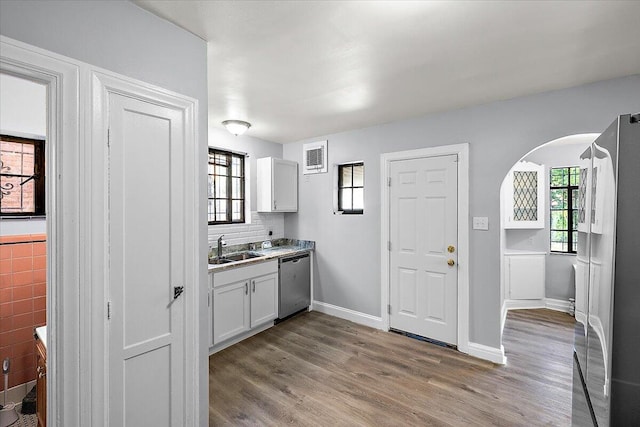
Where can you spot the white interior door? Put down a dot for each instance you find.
(423, 234)
(146, 260)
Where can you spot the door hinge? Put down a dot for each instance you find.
(389, 182)
(109, 137)
(389, 245)
(388, 308)
(108, 310)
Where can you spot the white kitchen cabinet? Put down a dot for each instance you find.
(525, 196)
(243, 298)
(525, 276)
(230, 310)
(277, 185)
(264, 299)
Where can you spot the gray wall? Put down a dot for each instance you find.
(348, 247)
(121, 37)
(559, 267)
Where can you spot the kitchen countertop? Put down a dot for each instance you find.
(523, 252)
(41, 332)
(267, 255)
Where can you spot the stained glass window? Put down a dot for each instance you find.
(525, 196)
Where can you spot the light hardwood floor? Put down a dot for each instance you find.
(318, 370)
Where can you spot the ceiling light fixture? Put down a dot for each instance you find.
(236, 127)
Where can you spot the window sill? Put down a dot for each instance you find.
(21, 217)
(348, 212)
(562, 253)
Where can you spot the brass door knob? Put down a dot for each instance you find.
(451, 262)
(451, 249)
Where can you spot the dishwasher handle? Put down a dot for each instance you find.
(294, 259)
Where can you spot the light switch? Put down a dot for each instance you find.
(480, 223)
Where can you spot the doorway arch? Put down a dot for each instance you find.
(536, 241)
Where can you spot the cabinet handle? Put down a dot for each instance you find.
(254, 286)
(246, 288)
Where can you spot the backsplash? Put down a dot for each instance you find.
(23, 291)
(258, 230)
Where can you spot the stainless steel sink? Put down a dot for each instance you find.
(241, 256)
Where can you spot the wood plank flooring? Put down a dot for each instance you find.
(318, 370)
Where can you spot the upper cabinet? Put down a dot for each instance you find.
(277, 185)
(525, 190)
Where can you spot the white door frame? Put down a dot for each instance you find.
(64, 245)
(462, 151)
(102, 84)
(76, 312)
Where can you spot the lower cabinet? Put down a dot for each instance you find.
(264, 299)
(241, 299)
(525, 276)
(41, 383)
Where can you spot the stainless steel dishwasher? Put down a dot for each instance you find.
(295, 289)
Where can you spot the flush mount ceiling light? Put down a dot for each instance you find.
(236, 127)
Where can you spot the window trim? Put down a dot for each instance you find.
(230, 199)
(39, 176)
(570, 208)
(339, 187)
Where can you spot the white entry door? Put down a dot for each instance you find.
(146, 261)
(423, 235)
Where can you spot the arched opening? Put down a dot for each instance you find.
(538, 227)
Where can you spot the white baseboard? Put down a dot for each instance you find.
(550, 303)
(495, 355)
(557, 305)
(347, 314)
(519, 304)
(492, 354)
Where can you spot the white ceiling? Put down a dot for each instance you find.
(300, 69)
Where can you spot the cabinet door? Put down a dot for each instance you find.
(264, 299)
(230, 310)
(524, 196)
(285, 186)
(41, 385)
(526, 276)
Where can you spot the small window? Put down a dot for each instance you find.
(564, 209)
(22, 189)
(351, 188)
(226, 187)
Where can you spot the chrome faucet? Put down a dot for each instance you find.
(220, 242)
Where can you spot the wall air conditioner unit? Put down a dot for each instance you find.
(314, 157)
